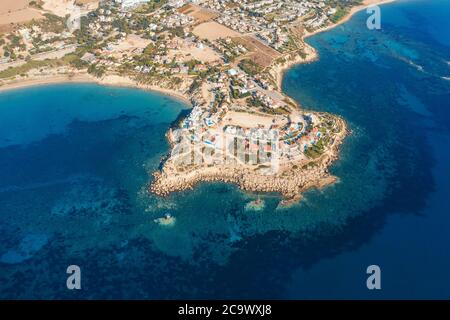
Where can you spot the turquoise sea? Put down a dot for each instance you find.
(76, 160)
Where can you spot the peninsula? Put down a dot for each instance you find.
(224, 57)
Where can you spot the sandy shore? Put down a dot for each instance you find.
(278, 70)
(111, 80)
(311, 53)
(79, 78)
(364, 5)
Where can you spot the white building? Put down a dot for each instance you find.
(130, 3)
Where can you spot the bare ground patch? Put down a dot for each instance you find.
(81, 2)
(16, 11)
(259, 52)
(200, 14)
(213, 31)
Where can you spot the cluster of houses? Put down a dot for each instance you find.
(273, 37)
(236, 80)
(228, 49)
(267, 18)
(266, 101)
(234, 143)
(224, 84)
(176, 20)
(220, 86)
(29, 41)
(317, 22)
(297, 136)
(238, 23)
(294, 130)
(263, 6)
(102, 25)
(253, 134)
(127, 4)
(248, 145)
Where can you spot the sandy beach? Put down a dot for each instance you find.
(364, 5)
(278, 70)
(45, 81)
(112, 80)
(311, 53)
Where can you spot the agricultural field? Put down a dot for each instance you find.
(213, 31)
(259, 52)
(200, 14)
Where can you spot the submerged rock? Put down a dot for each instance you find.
(255, 205)
(168, 220)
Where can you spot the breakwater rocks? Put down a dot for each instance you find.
(289, 184)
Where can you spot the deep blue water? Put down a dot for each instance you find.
(75, 161)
